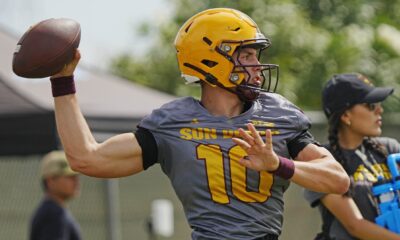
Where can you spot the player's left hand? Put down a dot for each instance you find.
(260, 154)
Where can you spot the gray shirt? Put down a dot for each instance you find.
(222, 199)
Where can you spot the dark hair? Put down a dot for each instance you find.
(333, 130)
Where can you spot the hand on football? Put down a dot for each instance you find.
(260, 154)
(69, 68)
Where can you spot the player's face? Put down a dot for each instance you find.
(365, 119)
(249, 58)
(64, 187)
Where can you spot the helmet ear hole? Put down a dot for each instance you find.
(209, 63)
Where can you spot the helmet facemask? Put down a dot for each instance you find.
(240, 75)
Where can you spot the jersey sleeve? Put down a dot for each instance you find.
(313, 198)
(148, 135)
(303, 137)
(155, 130)
(392, 145)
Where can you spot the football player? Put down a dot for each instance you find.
(230, 155)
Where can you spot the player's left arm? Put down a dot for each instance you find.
(317, 170)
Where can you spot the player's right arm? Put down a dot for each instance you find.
(347, 212)
(118, 156)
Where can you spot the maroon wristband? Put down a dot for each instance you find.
(285, 169)
(62, 86)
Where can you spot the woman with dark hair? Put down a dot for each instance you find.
(353, 108)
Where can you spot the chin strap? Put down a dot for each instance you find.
(246, 93)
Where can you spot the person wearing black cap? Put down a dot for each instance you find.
(353, 108)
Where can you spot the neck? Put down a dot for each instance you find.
(59, 200)
(348, 139)
(220, 102)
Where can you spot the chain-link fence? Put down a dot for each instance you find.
(21, 192)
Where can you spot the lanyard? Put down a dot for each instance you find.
(361, 154)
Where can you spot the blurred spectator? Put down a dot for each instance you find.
(52, 220)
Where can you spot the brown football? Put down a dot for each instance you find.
(46, 47)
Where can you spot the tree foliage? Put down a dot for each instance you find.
(311, 41)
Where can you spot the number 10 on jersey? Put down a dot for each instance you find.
(213, 157)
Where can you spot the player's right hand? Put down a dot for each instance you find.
(69, 68)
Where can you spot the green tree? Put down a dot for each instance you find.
(311, 41)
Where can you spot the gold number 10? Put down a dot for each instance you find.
(214, 162)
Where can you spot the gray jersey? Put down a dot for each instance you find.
(222, 199)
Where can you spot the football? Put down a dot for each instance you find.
(46, 47)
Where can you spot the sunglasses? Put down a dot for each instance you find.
(372, 106)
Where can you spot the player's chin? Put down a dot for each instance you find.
(248, 94)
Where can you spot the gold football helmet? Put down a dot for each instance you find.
(205, 45)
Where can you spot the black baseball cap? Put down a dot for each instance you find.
(345, 90)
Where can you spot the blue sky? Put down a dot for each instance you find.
(108, 27)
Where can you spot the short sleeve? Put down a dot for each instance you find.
(313, 198)
(393, 145)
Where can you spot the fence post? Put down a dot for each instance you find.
(113, 209)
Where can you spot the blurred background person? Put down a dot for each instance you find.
(354, 111)
(52, 220)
